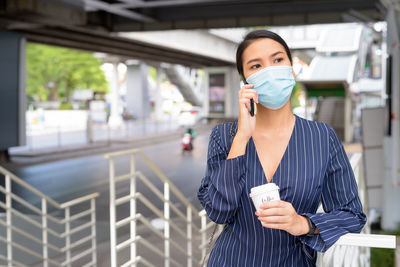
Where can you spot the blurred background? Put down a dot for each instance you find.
(84, 78)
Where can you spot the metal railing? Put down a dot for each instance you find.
(350, 249)
(53, 234)
(136, 219)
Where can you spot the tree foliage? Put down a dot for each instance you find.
(53, 73)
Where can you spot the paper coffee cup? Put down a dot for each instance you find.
(264, 193)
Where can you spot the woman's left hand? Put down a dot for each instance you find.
(279, 214)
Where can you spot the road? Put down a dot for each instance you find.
(68, 179)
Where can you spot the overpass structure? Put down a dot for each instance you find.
(96, 25)
(92, 24)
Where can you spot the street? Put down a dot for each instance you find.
(68, 179)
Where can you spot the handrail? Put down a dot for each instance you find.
(79, 200)
(159, 173)
(133, 197)
(367, 240)
(41, 223)
(29, 187)
(43, 196)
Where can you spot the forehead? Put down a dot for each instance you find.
(263, 47)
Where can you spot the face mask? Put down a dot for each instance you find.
(274, 85)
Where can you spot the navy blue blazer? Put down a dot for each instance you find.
(313, 169)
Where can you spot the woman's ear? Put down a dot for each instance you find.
(294, 74)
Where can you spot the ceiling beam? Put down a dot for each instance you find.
(117, 11)
(165, 3)
(267, 8)
(126, 48)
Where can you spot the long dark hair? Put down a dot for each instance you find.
(251, 37)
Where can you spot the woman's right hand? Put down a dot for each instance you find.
(246, 122)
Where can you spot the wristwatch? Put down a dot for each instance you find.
(312, 227)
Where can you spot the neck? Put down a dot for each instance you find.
(273, 120)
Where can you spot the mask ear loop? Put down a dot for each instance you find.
(252, 106)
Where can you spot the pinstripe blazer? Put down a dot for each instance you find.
(313, 169)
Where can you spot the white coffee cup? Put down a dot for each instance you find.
(264, 193)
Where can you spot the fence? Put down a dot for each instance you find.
(135, 219)
(52, 234)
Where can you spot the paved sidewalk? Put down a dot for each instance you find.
(30, 157)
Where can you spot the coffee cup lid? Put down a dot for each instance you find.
(263, 188)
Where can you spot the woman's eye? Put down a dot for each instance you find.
(278, 60)
(256, 66)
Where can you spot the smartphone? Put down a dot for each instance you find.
(251, 100)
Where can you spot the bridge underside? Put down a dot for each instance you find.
(90, 24)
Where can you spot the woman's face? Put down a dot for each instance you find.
(263, 53)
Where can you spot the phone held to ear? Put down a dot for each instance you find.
(252, 106)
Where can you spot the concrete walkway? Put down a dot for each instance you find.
(25, 157)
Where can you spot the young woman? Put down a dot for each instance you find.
(305, 159)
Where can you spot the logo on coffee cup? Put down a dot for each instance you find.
(267, 198)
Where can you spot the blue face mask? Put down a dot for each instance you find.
(274, 85)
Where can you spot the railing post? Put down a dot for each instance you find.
(93, 219)
(166, 225)
(189, 235)
(113, 232)
(44, 233)
(397, 252)
(8, 212)
(133, 206)
(203, 234)
(67, 237)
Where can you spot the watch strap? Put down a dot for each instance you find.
(311, 226)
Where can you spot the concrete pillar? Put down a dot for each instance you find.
(12, 90)
(232, 102)
(116, 110)
(137, 90)
(393, 43)
(348, 117)
(391, 193)
(231, 83)
(158, 98)
(391, 196)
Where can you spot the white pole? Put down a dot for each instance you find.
(166, 225)
(113, 232)
(189, 235)
(203, 235)
(59, 136)
(348, 132)
(93, 217)
(8, 211)
(397, 252)
(115, 113)
(44, 233)
(67, 237)
(133, 206)
(89, 129)
(158, 95)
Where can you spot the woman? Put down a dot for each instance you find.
(304, 158)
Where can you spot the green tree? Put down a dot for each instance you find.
(54, 72)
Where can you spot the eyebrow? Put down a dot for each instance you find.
(258, 59)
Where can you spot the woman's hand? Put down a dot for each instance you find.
(246, 122)
(281, 215)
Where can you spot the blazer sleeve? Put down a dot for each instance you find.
(222, 186)
(340, 201)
